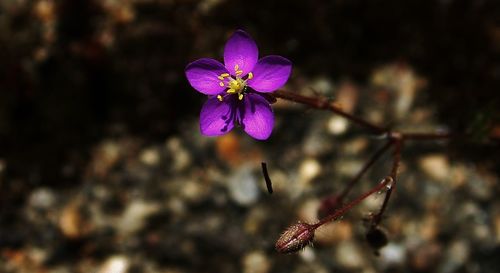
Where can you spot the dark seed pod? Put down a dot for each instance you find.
(376, 238)
(295, 238)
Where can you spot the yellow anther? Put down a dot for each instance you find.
(238, 72)
(231, 91)
(219, 97)
(250, 75)
(236, 67)
(220, 78)
(240, 96)
(221, 84)
(224, 75)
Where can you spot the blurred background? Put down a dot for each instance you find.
(103, 168)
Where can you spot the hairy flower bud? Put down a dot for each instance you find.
(295, 238)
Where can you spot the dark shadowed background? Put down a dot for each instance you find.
(103, 169)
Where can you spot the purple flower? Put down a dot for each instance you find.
(236, 88)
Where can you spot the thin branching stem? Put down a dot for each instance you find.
(365, 168)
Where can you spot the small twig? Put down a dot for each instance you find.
(269, 184)
(398, 143)
(426, 136)
(365, 168)
(338, 213)
(325, 104)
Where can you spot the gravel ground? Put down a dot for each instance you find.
(103, 168)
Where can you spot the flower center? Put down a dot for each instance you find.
(235, 85)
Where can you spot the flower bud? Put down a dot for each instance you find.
(295, 238)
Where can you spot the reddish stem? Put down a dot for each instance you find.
(338, 213)
(398, 143)
(365, 168)
(327, 105)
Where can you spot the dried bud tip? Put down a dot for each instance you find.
(376, 238)
(295, 238)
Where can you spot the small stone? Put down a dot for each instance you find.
(308, 255)
(115, 264)
(308, 210)
(348, 167)
(349, 255)
(72, 222)
(181, 158)
(337, 125)
(393, 254)
(425, 257)
(256, 262)
(42, 198)
(134, 216)
(331, 233)
(193, 190)
(309, 169)
(457, 255)
(436, 166)
(150, 156)
(243, 187)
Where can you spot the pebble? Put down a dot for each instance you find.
(42, 198)
(348, 167)
(456, 255)
(105, 156)
(309, 169)
(115, 264)
(242, 185)
(135, 215)
(349, 255)
(437, 166)
(337, 125)
(256, 262)
(72, 222)
(181, 158)
(308, 210)
(150, 156)
(308, 254)
(393, 254)
(331, 233)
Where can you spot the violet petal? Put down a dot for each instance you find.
(202, 75)
(217, 117)
(270, 73)
(256, 116)
(240, 50)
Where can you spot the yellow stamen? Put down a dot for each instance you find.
(224, 75)
(219, 97)
(240, 96)
(221, 84)
(236, 67)
(250, 75)
(239, 72)
(220, 78)
(231, 91)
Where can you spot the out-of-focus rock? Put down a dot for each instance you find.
(42, 198)
(72, 221)
(436, 166)
(115, 264)
(150, 156)
(308, 210)
(181, 158)
(393, 254)
(309, 169)
(256, 262)
(331, 233)
(242, 185)
(349, 255)
(134, 216)
(425, 257)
